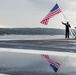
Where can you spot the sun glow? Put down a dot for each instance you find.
(3, 26)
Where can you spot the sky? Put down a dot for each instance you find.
(29, 13)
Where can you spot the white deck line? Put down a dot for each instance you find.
(30, 51)
(4, 74)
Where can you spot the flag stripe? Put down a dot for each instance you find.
(52, 63)
(56, 10)
(45, 21)
(55, 67)
(51, 14)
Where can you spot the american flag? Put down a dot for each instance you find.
(55, 65)
(55, 10)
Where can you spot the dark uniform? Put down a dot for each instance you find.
(67, 29)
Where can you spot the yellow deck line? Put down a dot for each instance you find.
(53, 40)
(58, 40)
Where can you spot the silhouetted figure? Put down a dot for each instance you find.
(75, 36)
(67, 29)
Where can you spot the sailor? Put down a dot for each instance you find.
(67, 29)
(75, 36)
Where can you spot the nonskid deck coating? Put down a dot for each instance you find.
(63, 45)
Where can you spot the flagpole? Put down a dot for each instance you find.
(71, 22)
(64, 14)
(62, 11)
(71, 31)
(64, 17)
(66, 21)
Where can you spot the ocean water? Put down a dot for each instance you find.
(9, 37)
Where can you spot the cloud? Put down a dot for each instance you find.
(42, 4)
(24, 13)
(68, 5)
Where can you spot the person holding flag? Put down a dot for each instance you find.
(56, 10)
(67, 29)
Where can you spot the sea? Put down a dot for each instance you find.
(15, 37)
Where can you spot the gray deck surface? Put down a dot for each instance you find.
(62, 45)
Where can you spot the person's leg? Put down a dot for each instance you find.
(68, 34)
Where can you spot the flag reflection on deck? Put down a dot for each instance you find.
(55, 65)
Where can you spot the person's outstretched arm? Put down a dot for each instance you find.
(63, 23)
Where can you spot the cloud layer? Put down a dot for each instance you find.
(28, 13)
